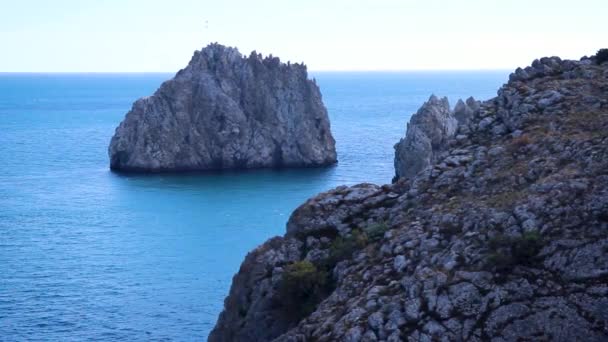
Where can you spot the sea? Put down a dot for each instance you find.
(88, 254)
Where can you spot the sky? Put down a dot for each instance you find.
(365, 35)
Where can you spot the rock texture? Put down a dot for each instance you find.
(503, 238)
(227, 111)
(428, 133)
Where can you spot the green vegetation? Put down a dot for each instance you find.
(302, 288)
(376, 231)
(305, 284)
(508, 252)
(601, 56)
(342, 248)
(527, 247)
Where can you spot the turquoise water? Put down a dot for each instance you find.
(89, 254)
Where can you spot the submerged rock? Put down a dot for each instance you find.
(227, 111)
(505, 238)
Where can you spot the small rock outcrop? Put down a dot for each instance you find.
(227, 111)
(504, 237)
(428, 132)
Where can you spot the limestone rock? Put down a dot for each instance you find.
(227, 111)
(427, 134)
(503, 236)
(464, 111)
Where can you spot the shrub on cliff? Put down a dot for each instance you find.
(342, 248)
(302, 288)
(375, 232)
(601, 56)
(305, 284)
(508, 252)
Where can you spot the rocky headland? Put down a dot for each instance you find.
(227, 111)
(499, 232)
(428, 133)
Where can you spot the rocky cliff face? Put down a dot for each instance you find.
(504, 237)
(226, 111)
(428, 133)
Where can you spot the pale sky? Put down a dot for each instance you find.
(154, 35)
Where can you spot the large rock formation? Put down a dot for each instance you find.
(428, 133)
(504, 237)
(227, 111)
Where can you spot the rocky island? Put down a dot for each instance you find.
(227, 111)
(496, 228)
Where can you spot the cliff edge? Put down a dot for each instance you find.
(502, 237)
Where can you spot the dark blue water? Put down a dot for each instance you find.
(88, 254)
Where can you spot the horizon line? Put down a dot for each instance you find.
(310, 71)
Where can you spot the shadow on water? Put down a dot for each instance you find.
(251, 180)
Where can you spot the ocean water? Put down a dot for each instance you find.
(87, 254)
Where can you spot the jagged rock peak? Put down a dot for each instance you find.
(227, 111)
(463, 111)
(428, 133)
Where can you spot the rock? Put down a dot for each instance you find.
(567, 324)
(434, 329)
(325, 213)
(396, 319)
(413, 309)
(369, 336)
(394, 337)
(466, 299)
(427, 134)
(501, 236)
(226, 111)
(485, 123)
(353, 335)
(464, 111)
(496, 151)
(375, 320)
(550, 98)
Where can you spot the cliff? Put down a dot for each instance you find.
(227, 111)
(503, 236)
(428, 133)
